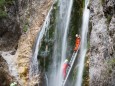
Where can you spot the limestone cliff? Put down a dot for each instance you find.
(102, 43)
(18, 31)
(5, 78)
(25, 45)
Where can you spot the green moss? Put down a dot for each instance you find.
(3, 14)
(2, 11)
(86, 73)
(3, 4)
(25, 28)
(110, 66)
(102, 2)
(111, 61)
(108, 18)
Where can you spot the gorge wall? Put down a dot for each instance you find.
(19, 25)
(102, 43)
(21, 21)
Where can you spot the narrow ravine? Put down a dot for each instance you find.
(58, 50)
(51, 57)
(57, 42)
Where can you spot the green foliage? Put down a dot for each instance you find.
(3, 4)
(25, 28)
(2, 13)
(83, 3)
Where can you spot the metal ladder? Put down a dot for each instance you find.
(72, 60)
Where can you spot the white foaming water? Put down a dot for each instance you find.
(83, 48)
(34, 63)
(64, 41)
(59, 54)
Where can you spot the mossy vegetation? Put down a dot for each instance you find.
(109, 17)
(111, 61)
(46, 49)
(25, 28)
(86, 72)
(3, 6)
(102, 2)
(2, 9)
(3, 14)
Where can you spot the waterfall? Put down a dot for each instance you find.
(66, 22)
(60, 45)
(83, 48)
(63, 15)
(34, 62)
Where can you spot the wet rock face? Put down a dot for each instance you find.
(102, 39)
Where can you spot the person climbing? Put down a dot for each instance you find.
(65, 66)
(77, 43)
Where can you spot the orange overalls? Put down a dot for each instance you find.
(65, 66)
(77, 43)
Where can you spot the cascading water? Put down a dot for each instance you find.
(66, 26)
(59, 54)
(34, 64)
(54, 72)
(83, 47)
